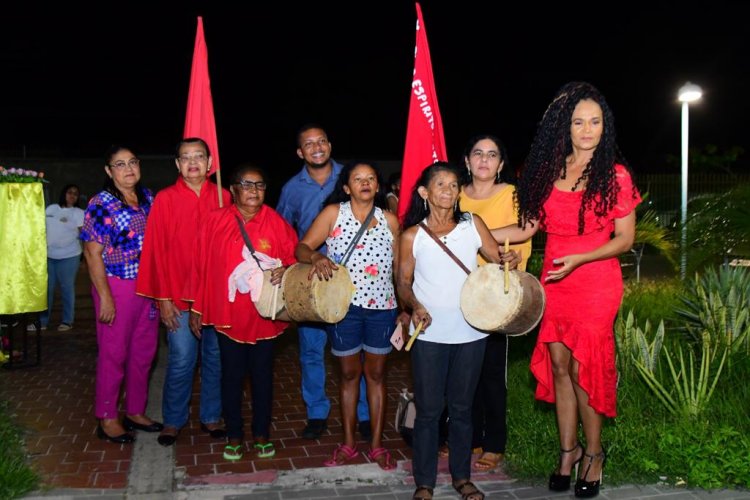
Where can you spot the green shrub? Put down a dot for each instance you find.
(653, 300)
(16, 477)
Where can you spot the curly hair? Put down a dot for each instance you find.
(338, 195)
(418, 209)
(552, 144)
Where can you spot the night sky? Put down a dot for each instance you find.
(75, 81)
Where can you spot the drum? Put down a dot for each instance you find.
(264, 304)
(487, 307)
(315, 299)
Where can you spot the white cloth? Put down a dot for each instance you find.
(438, 281)
(63, 225)
(247, 276)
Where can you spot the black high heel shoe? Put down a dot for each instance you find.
(588, 489)
(558, 482)
(131, 425)
(121, 439)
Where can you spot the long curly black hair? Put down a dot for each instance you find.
(418, 209)
(552, 145)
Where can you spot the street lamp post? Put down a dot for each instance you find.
(688, 93)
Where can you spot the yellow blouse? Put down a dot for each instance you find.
(497, 211)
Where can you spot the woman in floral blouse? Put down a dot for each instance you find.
(126, 324)
(371, 318)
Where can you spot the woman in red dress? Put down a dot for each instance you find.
(578, 188)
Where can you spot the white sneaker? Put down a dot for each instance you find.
(64, 327)
(31, 327)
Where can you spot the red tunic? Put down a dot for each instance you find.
(581, 308)
(171, 231)
(218, 251)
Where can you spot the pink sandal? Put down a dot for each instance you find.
(388, 464)
(344, 451)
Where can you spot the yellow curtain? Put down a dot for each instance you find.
(23, 248)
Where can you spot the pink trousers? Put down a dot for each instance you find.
(126, 349)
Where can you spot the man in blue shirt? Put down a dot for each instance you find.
(301, 201)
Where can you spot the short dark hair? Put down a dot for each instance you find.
(244, 168)
(304, 128)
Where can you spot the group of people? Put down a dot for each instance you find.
(181, 258)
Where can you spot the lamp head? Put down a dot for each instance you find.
(689, 93)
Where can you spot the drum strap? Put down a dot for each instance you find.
(445, 248)
(350, 249)
(248, 243)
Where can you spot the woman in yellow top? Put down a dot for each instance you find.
(487, 193)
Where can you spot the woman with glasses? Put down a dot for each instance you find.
(167, 258)
(126, 324)
(215, 288)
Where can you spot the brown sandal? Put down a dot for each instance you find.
(422, 489)
(488, 462)
(468, 490)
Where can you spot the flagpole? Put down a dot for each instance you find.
(218, 184)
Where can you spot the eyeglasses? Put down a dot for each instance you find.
(248, 185)
(133, 163)
(196, 157)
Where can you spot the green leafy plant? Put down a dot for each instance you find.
(716, 309)
(688, 389)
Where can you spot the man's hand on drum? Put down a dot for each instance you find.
(420, 315)
(277, 274)
(512, 257)
(195, 323)
(322, 266)
(169, 315)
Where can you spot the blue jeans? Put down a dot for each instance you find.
(444, 375)
(178, 384)
(363, 329)
(312, 344)
(62, 271)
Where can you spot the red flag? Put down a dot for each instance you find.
(199, 119)
(425, 143)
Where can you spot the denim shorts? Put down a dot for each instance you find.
(368, 329)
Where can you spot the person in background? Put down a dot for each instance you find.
(578, 188)
(394, 187)
(64, 222)
(126, 324)
(447, 357)
(214, 289)
(371, 318)
(488, 193)
(300, 202)
(166, 261)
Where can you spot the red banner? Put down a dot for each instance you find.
(199, 119)
(425, 143)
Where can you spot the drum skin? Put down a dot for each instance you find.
(315, 299)
(487, 307)
(264, 304)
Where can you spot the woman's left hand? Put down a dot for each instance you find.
(567, 265)
(277, 274)
(512, 257)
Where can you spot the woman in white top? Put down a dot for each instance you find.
(64, 222)
(371, 319)
(447, 357)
